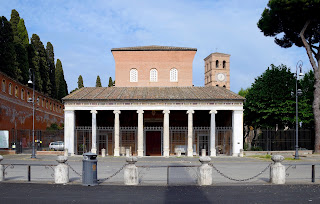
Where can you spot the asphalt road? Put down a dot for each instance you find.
(47, 193)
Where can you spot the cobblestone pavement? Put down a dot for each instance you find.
(298, 172)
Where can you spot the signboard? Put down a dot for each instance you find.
(4, 139)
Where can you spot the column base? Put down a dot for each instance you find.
(140, 153)
(116, 153)
(190, 153)
(213, 152)
(166, 153)
(94, 150)
(235, 154)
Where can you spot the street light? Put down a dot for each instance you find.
(298, 93)
(33, 155)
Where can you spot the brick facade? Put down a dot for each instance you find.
(16, 111)
(163, 60)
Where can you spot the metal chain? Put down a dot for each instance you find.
(292, 166)
(105, 179)
(247, 179)
(74, 170)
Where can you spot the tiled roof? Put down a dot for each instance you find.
(154, 48)
(153, 93)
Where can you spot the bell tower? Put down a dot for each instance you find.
(217, 70)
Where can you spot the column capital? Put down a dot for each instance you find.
(94, 111)
(190, 112)
(116, 111)
(166, 111)
(140, 111)
(213, 112)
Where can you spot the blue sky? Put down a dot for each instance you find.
(83, 33)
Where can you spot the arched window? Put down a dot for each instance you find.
(50, 106)
(224, 86)
(47, 104)
(22, 94)
(217, 63)
(4, 85)
(28, 95)
(217, 85)
(133, 75)
(38, 101)
(10, 89)
(16, 91)
(42, 102)
(173, 75)
(224, 64)
(210, 68)
(153, 75)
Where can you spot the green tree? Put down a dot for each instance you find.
(80, 82)
(42, 69)
(111, 83)
(305, 100)
(269, 101)
(98, 82)
(52, 69)
(22, 33)
(7, 49)
(61, 85)
(14, 20)
(243, 92)
(297, 22)
(21, 43)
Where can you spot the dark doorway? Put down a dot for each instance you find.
(153, 143)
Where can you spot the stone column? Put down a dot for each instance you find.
(1, 169)
(237, 135)
(69, 128)
(131, 174)
(213, 133)
(116, 133)
(205, 172)
(190, 132)
(61, 171)
(140, 133)
(94, 131)
(277, 170)
(166, 150)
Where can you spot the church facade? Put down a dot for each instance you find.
(154, 110)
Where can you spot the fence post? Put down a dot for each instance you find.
(205, 172)
(61, 171)
(131, 174)
(1, 169)
(277, 170)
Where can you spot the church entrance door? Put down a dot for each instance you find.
(153, 143)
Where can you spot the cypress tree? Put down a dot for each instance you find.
(21, 43)
(41, 61)
(111, 83)
(52, 69)
(80, 82)
(7, 49)
(22, 33)
(61, 84)
(98, 82)
(15, 18)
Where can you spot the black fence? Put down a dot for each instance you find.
(277, 140)
(21, 140)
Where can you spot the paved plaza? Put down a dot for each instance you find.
(154, 170)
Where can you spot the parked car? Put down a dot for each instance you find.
(56, 146)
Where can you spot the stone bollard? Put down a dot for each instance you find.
(128, 153)
(205, 172)
(61, 171)
(241, 153)
(103, 152)
(66, 152)
(1, 169)
(131, 175)
(179, 153)
(203, 153)
(277, 170)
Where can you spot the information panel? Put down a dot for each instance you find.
(4, 139)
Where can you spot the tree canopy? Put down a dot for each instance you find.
(80, 82)
(297, 22)
(98, 82)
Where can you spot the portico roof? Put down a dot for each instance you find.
(153, 93)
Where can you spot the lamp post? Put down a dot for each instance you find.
(298, 93)
(33, 155)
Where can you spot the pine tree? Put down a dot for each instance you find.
(80, 82)
(98, 82)
(7, 49)
(41, 61)
(52, 69)
(111, 83)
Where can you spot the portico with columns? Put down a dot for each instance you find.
(154, 122)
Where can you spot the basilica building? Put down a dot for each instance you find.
(154, 110)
